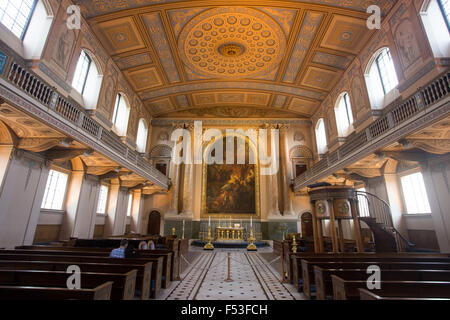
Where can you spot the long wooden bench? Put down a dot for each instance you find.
(168, 266)
(365, 294)
(157, 266)
(123, 284)
(348, 289)
(296, 271)
(324, 285)
(143, 279)
(101, 292)
(308, 268)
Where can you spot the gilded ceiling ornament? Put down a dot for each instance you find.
(232, 42)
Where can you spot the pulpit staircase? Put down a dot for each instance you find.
(376, 213)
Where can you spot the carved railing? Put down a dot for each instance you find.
(28, 82)
(372, 206)
(436, 90)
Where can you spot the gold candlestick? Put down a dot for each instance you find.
(251, 246)
(294, 244)
(209, 245)
(173, 231)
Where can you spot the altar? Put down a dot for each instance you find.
(236, 232)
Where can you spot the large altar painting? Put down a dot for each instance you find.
(230, 188)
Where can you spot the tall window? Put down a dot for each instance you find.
(321, 137)
(363, 203)
(344, 116)
(102, 199)
(130, 204)
(81, 72)
(16, 15)
(415, 194)
(120, 115)
(142, 133)
(55, 190)
(445, 8)
(386, 70)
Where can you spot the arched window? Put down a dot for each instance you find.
(121, 115)
(16, 15)
(381, 79)
(142, 133)
(87, 80)
(321, 137)
(435, 16)
(344, 115)
(386, 70)
(27, 24)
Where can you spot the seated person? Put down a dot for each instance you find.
(151, 245)
(143, 245)
(119, 252)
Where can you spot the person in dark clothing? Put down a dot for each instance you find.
(131, 252)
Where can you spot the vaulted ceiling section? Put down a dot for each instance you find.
(274, 59)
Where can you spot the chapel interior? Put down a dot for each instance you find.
(299, 141)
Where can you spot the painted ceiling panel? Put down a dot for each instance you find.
(159, 39)
(182, 56)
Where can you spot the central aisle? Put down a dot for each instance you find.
(253, 279)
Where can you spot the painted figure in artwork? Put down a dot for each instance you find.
(231, 188)
(409, 48)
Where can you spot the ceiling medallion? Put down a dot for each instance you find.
(231, 50)
(232, 42)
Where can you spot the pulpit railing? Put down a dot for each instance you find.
(372, 206)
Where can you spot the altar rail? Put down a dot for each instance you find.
(26, 81)
(392, 119)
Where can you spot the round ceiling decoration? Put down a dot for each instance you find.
(232, 43)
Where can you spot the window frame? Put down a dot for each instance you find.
(348, 106)
(343, 112)
(87, 70)
(322, 120)
(444, 14)
(106, 200)
(130, 204)
(121, 98)
(116, 108)
(377, 62)
(144, 148)
(402, 194)
(66, 191)
(27, 22)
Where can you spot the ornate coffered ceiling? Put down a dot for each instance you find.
(271, 58)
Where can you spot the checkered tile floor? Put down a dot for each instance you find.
(253, 279)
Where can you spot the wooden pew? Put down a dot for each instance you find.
(143, 279)
(101, 292)
(167, 264)
(348, 289)
(156, 263)
(365, 294)
(386, 264)
(295, 258)
(324, 285)
(297, 266)
(123, 287)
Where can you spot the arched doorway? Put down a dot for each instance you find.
(154, 223)
(307, 227)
